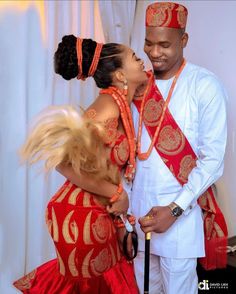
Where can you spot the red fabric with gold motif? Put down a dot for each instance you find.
(178, 155)
(166, 14)
(89, 259)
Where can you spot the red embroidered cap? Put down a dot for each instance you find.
(166, 14)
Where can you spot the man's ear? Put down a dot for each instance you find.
(184, 40)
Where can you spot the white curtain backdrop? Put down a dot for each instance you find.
(29, 34)
(118, 19)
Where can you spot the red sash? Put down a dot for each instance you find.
(178, 155)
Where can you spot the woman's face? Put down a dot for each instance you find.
(133, 68)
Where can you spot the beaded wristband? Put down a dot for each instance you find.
(116, 196)
(119, 223)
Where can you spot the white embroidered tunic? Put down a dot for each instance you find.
(198, 106)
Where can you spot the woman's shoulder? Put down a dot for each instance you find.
(103, 108)
(105, 111)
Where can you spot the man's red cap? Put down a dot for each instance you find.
(166, 14)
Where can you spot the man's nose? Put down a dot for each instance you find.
(156, 52)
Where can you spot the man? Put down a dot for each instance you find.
(181, 130)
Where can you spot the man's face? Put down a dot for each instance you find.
(164, 47)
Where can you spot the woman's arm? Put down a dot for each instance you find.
(99, 187)
(87, 182)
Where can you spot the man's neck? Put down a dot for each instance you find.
(166, 75)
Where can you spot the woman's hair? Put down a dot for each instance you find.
(60, 135)
(66, 62)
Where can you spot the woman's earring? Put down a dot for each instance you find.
(125, 88)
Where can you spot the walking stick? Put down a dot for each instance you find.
(147, 262)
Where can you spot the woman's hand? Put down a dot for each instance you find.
(120, 206)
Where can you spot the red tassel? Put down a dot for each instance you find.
(216, 256)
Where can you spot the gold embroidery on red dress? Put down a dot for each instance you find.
(86, 265)
(170, 141)
(86, 229)
(101, 262)
(73, 196)
(64, 193)
(121, 152)
(70, 226)
(86, 199)
(55, 234)
(48, 222)
(62, 269)
(100, 229)
(59, 192)
(72, 263)
(25, 282)
(110, 127)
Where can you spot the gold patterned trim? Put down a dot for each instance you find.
(160, 14)
(110, 127)
(25, 283)
(64, 193)
(101, 262)
(170, 141)
(86, 230)
(62, 269)
(101, 229)
(121, 152)
(209, 225)
(86, 199)
(48, 222)
(152, 112)
(72, 263)
(181, 16)
(86, 263)
(218, 230)
(186, 165)
(67, 225)
(73, 196)
(55, 226)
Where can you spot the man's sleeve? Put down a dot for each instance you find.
(212, 134)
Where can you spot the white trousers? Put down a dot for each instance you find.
(168, 275)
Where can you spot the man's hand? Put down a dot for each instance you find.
(159, 221)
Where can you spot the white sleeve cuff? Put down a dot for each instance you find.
(186, 201)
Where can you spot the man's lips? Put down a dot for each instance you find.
(158, 60)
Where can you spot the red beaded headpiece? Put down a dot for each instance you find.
(94, 63)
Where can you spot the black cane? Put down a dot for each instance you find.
(147, 262)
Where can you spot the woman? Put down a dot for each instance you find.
(90, 153)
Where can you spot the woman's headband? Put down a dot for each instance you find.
(94, 63)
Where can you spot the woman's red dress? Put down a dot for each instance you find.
(89, 259)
